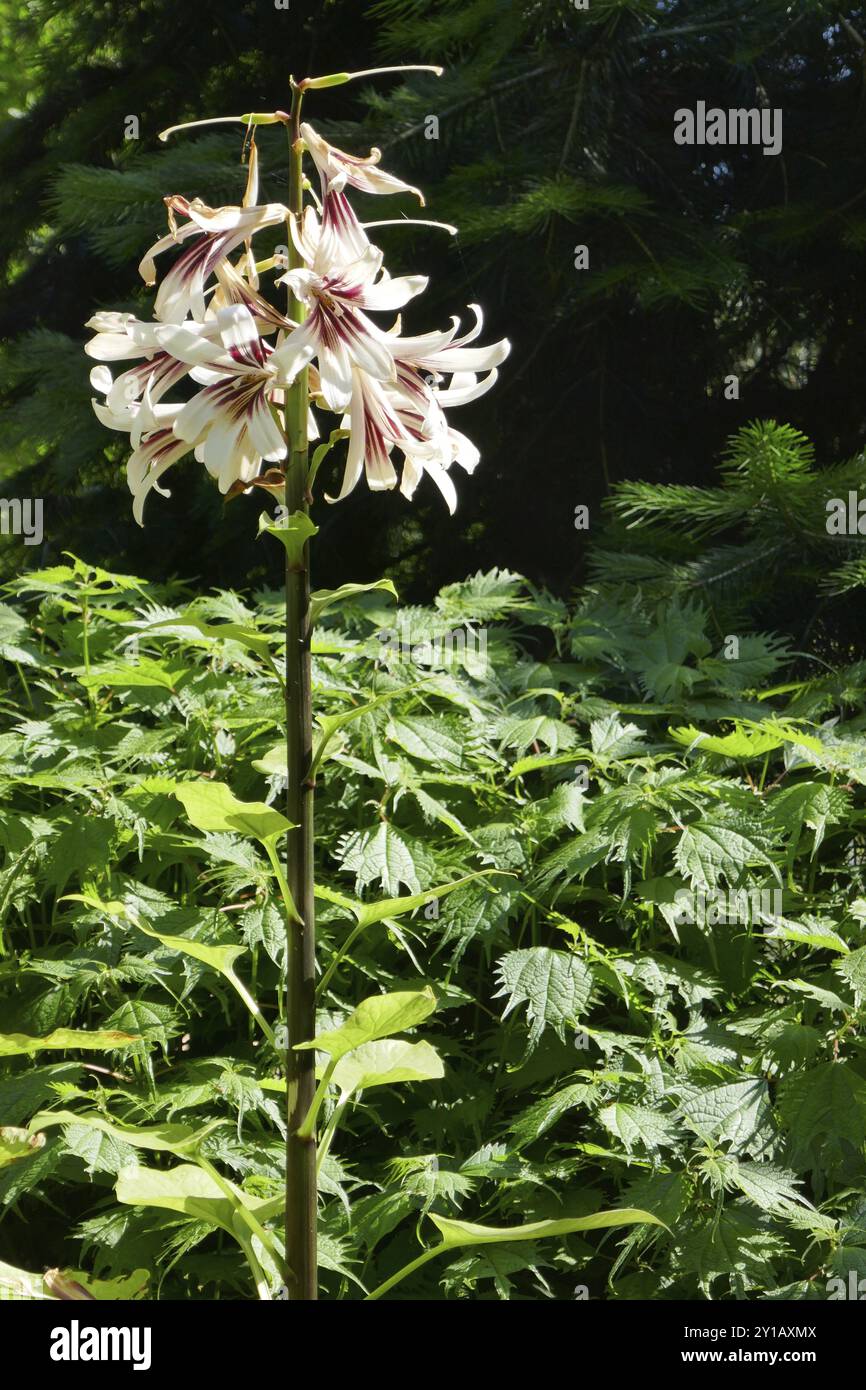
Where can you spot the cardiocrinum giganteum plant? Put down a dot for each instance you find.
(243, 381)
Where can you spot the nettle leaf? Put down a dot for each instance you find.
(710, 851)
(742, 743)
(661, 656)
(494, 1262)
(543, 1115)
(824, 1111)
(152, 1022)
(100, 1153)
(772, 1189)
(385, 1063)
(636, 1125)
(556, 985)
(378, 1017)
(143, 673)
(440, 740)
(813, 804)
(212, 806)
(737, 1112)
(380, 856)
(611, 739)
(564, 808)
(734, 1245)
(853, 969)
(541, 728)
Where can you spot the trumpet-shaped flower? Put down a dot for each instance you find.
(343, 237)
(214, 233)
(336, 330)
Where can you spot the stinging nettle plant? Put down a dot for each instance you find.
(267, 375)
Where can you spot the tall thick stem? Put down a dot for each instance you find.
(300, 1000)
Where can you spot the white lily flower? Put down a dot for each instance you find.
(343, 236)
(230, 421)
(216, 233)
(338, 170)
(407, 412)
(336, 330)
(392, 392)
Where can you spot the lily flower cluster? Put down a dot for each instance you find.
(214, 328)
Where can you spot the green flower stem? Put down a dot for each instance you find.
(301, 960)
(406, 1271)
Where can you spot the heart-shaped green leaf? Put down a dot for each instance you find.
(378, 1017)
(385, 1063)
(211, 806)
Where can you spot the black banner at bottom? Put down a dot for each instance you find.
(159, 1339)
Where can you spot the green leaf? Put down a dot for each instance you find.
(370, 913)
(709, 851)
(219, 958)
(248, 637)
(378, 1017)
(459, 1233)
(824, 1111)
(292, 532)
(65, 1039)
(430, 740)
(145, 674)
(329, 725)
(165, 1138)
(556, 986)
(211, 806)
(636, 1124)
(853, 969)
(737, 1113)
(385, 1063)
(323, 599)
(743, 743)
(18, 1284)
(380, 854)
(185, 1188)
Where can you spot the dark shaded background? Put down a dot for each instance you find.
(556, 129)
